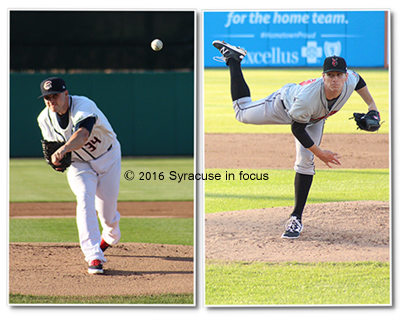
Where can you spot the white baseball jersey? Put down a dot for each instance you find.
(101, 138)
(94, 175)
(306, 102)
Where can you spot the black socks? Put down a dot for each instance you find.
(302, 185)
(239, 88)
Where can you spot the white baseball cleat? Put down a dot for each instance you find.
(293, 228)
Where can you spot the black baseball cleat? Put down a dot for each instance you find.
(229, 51)
(293, 228)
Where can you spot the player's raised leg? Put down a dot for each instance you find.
(233, 56)
(265, 111)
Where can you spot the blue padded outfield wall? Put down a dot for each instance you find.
(298, 38)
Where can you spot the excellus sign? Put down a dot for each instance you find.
(297, 39)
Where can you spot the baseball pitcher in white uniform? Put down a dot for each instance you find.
(94, 173)
(305, 107)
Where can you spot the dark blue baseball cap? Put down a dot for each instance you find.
(52, 86)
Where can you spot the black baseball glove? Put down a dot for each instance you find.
(369, 121)
(50, 147)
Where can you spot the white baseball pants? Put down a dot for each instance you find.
(96, 186)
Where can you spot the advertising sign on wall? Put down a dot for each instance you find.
(298, 38)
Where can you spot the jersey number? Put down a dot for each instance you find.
(92, 144)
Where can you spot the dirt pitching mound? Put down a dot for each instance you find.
(59, 269)
(333, 232)
(132, 269)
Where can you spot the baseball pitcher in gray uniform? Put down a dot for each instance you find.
(305, 107)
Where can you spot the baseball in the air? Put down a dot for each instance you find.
(156, 45)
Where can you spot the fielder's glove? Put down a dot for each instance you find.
(50, 147)
(369, 121)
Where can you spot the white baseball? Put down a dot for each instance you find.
(156, 45)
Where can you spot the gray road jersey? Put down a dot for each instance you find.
(306, 102)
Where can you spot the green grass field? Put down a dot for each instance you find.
(219, 116)
(243, 283)
(237, 283)
(329, 185)
(142, 230)
(167, 299)
(31, 180)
